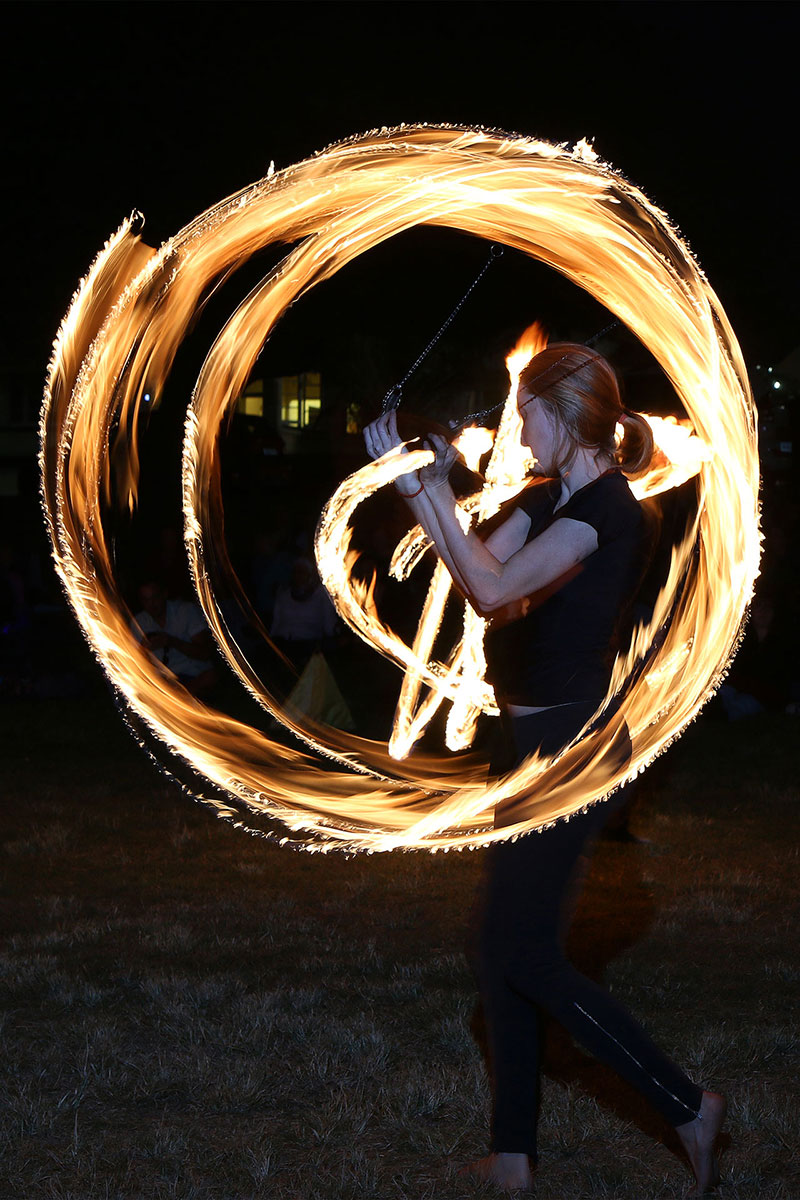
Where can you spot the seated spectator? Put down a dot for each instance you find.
(176, 634)
(271, 570)
(304, 618)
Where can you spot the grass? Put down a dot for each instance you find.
(191, 1013)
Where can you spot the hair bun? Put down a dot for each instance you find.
(636, 449)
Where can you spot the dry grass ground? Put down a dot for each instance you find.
(189, 1013)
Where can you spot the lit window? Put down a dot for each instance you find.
(251, 401)
(301, 398)
(353, 418)
(290, 403)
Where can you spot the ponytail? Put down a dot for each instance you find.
(635, 450)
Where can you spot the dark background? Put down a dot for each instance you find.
(163, 970)
(169, 107)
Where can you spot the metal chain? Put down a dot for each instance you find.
(395, 394)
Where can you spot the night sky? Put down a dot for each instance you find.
(169, 107)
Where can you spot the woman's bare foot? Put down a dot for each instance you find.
(512, 1172)
(699, 1138)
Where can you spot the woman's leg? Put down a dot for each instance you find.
(523, 966)
(513, 1029)
(699, 1138)
(535, 968)
(529, 881)
(512, 1019)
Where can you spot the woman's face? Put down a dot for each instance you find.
(539, 432)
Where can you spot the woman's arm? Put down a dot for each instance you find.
(501, 570)
(381, 437)
(425, 514)
(509, 537)
(492, 582)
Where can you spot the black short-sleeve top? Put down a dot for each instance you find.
(562, 649)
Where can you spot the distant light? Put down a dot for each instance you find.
(770, 370)
(776, 384)
(146, 397)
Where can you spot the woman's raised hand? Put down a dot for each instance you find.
(381, 436)
(436, 474)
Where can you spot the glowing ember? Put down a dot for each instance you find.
(119, 340)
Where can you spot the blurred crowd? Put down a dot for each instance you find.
(287, 617)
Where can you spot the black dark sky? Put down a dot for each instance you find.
(169, 107)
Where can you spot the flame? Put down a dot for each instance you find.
(509, 464)
(119, 339)
(679, 456)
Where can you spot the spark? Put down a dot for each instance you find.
(117, 344)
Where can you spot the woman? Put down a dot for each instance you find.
(566, 564)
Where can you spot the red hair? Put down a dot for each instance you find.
(580, 389)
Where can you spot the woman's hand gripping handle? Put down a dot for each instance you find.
(380, 437)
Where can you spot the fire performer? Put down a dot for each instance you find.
(561, 571)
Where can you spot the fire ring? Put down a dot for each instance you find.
(565, 208)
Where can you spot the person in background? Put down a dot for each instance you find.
(304, 619)
(176, 634)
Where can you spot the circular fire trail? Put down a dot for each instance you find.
(117, 344)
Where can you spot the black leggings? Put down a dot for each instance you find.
(522, 966)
